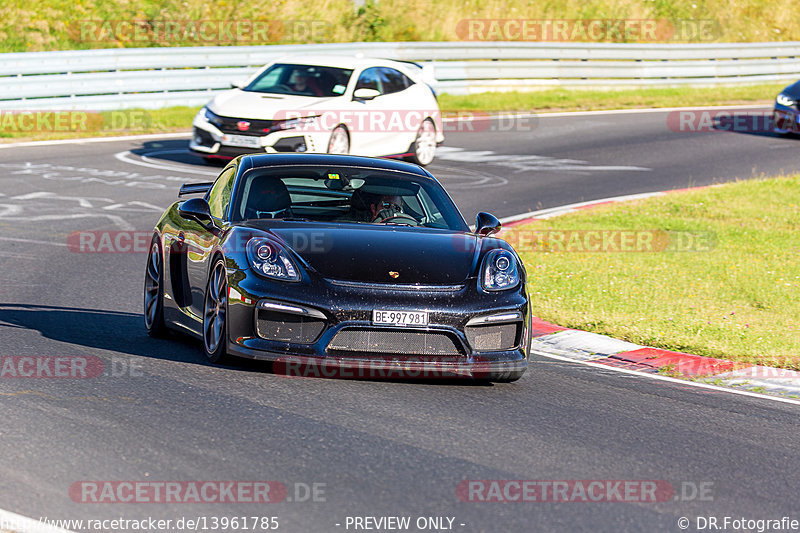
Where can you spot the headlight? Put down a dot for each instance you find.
(204, 115)
(785, 100)
(270, 260)
(297, 123)
(499, 271)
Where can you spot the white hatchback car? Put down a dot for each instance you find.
(338, 105)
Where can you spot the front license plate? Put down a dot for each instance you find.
(244, 141)
(400, 318)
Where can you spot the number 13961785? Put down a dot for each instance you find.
(237, 523)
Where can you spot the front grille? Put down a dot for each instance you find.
(229, 125)
(234, 151)
(285, 327)
(387, 341)
(493, 338)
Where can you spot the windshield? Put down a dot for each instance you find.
(345, 195)
(301, 80)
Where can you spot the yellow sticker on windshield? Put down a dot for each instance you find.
(333, 176)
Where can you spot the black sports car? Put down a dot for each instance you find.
(786, 112)
(321, 262)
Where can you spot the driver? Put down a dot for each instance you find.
(385, 207)
(377, 209)
(304, 83)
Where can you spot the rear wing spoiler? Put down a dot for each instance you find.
(195, 188)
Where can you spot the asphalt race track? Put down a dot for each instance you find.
(375, 448)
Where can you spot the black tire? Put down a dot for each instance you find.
(339, 143)
(424, 147)
(154, 290)
(215, 314)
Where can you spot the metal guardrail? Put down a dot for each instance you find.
(159, 77)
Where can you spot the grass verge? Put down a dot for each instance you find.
(737, 296)
(174, 119)
(593, 100)
(59, 25)
(49, 125)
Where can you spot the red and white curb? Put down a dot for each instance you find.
(557, 342)
(551, 340)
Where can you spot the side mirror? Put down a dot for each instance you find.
(365, 94)
(487, 224)
(237, 84)
(195, 209)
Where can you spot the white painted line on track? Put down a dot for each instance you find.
(659, 377)
(646, 110)
(560, 210)
(89, 140)
(22, 524)
(33, 241)
(146, 156)
(527, 162)
(126, 157)
(486, 115)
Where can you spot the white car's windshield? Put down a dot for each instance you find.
(301, 80)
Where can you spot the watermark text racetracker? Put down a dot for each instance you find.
(73, 121)
(610, 241)
(195, 491)
(727, 120)
(138, 242)
(208, 31)
(588, 30)
(66, 367)
(582, 491)
(192, 523)
(390, 367)
(402, 120)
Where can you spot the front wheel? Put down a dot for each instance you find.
(215, 311)
(154, 290)
(424, 144)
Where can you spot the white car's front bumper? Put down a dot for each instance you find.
(209, 140)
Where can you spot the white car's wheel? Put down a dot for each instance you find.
(424, 144)
(340, 141)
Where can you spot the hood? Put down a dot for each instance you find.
(367, 254)
(265, 106)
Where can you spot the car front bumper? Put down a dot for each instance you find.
(207, 140)
(468, 334)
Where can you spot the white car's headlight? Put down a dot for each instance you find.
(785, 100)
(499, 271)
(270, 260)
(297, 123)
(205, 115)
